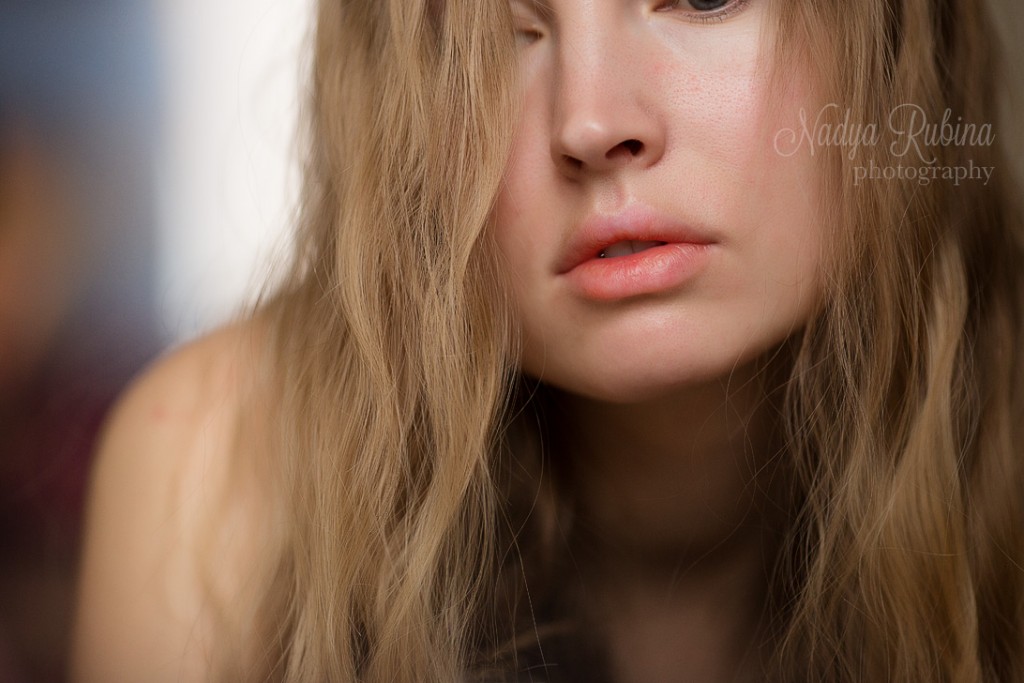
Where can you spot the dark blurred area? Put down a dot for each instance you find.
(78, 118)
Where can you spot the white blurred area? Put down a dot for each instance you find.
(227, 163)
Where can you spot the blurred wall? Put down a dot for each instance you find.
(79, 85)
(79, 98)
(228, 171)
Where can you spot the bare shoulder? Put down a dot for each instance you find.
(161, 472)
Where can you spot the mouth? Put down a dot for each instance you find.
(634, 230)
(627, 248)
(630, 268)
(634, 252)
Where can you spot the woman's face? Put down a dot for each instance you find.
(647, 128)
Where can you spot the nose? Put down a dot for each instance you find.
(604, 118)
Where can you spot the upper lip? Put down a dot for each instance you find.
(637, 223)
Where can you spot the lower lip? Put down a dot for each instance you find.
(651, 271)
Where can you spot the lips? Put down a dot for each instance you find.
(632, 253)
(632, 231)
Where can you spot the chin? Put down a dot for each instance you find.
(635, 382)
(644, 370)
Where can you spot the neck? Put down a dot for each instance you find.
(672, 531)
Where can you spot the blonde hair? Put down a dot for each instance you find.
(415, 523)
(903, 408)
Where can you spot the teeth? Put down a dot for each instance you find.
(618, 249)
(628, 247)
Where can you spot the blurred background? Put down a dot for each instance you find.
(147, 175)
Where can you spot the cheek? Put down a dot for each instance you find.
(768, 203)
(517, 233)
(710, 90)
(529, 211)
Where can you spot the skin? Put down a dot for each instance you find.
(631, 102)
(143, 611)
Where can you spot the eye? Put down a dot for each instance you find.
(527, 21)
(707, 5)
(526, 36)
(704, 10)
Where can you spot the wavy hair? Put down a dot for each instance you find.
(415, 536)
(903, 409)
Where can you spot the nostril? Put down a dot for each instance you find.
(630, 147)
(623, 152)
(572, 162)
(634, 146)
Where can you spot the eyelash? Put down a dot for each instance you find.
(713, 16)
(528, 34)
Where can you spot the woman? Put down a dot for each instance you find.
(620, 345)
